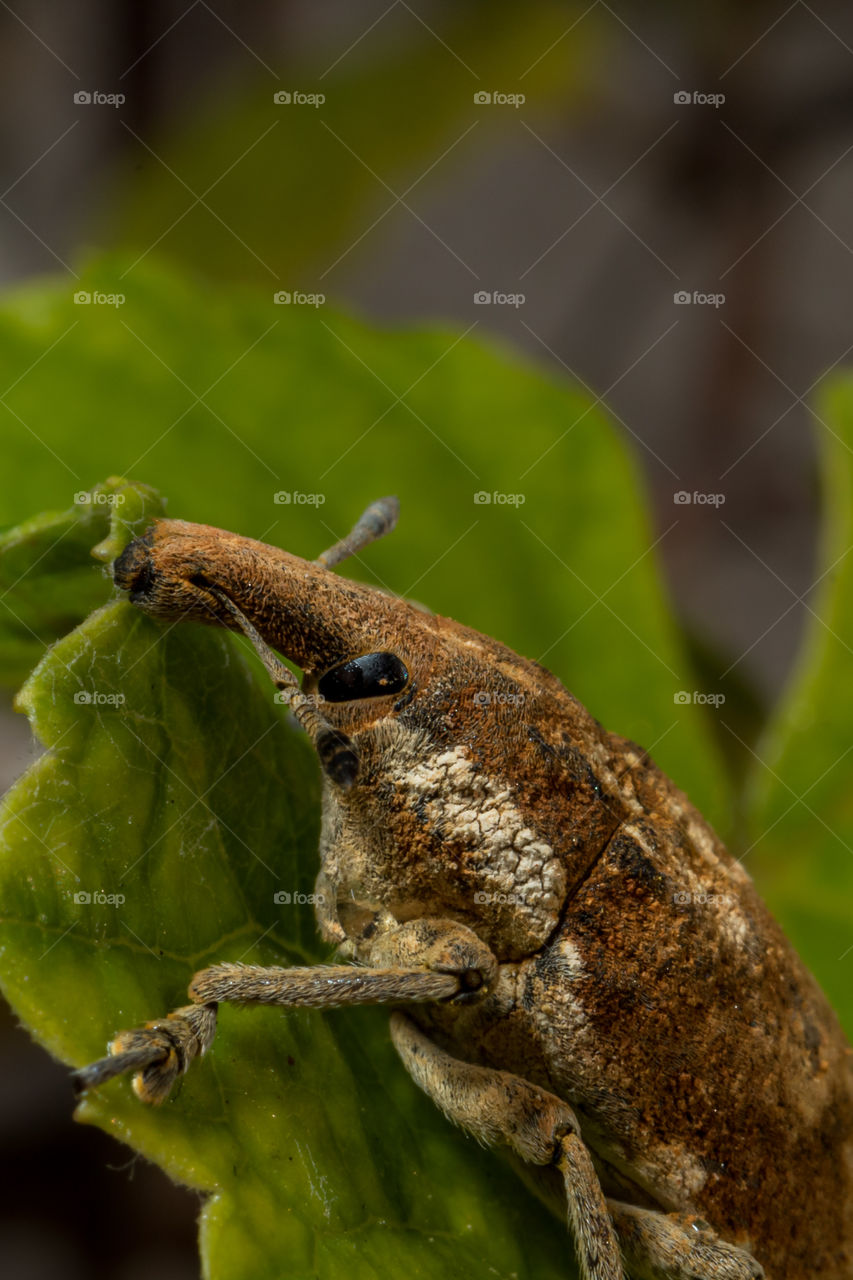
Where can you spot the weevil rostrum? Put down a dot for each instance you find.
(577, 967)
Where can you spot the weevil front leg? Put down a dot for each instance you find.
(423, 961)
(499, 1107)
(162, 1050)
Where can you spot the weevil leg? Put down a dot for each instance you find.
(162, 1050)
(417, 962)
(662, 1246)
(499, 1107)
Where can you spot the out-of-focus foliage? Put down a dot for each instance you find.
(291, 188)
(801, 835)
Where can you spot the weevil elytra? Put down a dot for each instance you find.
(578, 968)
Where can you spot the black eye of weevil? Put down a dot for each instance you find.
(371, 676)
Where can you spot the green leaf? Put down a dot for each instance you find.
(50, 575)
(802, 804)
(174, 801)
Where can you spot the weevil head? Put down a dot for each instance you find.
(465, 751)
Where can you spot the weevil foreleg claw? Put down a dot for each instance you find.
(157, 1053)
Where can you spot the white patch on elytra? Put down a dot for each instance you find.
(478, 812)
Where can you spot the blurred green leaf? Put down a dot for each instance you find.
(328, 175)
(802, 802)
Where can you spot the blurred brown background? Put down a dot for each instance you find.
(658, 151)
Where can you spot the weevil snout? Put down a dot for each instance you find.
(300, 607)
(133, 570)
(342, 634)
(160, 590)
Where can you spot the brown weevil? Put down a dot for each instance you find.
(579, 969)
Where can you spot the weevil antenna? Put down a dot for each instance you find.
(337, 754)
(379, 519)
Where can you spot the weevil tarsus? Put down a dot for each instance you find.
(157, 1053)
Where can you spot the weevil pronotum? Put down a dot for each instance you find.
(578, 968)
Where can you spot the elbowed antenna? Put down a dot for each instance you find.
(337, 754)
(379, 519)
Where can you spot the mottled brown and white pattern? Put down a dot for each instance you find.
(623, 1012)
